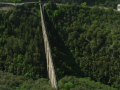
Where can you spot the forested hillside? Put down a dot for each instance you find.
(85, 42)
(22, 56)
(21, 42)
(8, 81)
(73, 83)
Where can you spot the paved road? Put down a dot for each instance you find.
(101, 7)
(16, 3)
(45, 3)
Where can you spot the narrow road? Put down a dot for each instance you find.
(44, 4)
(16, 4)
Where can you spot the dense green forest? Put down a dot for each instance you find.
(22, 56)
(85, 42)
(8, 81)
(106, 3)
(73, 83)
(13, 82)
(21, 42)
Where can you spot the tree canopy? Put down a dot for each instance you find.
(21, 42)
(85, 42)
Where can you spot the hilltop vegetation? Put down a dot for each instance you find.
(85, 42)
(8, 81)
(73, 83)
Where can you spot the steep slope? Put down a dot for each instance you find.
(21, 47)
(85, 42)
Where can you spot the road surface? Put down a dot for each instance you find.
(45, 3)
(16, 4)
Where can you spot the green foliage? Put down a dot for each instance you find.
(8, 81)
(84, 4)
(67, 3)
(15, 1)
(87, 42)
(73, 83)
(68, 85)
(21, 44)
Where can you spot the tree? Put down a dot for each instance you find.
(17, 1)
(84, 4)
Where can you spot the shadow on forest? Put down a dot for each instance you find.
(64, 61)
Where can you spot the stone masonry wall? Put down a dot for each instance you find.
(50, 65)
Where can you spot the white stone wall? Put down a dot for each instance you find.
(118, 7)
(50, 66)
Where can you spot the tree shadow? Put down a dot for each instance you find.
(64, 61)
